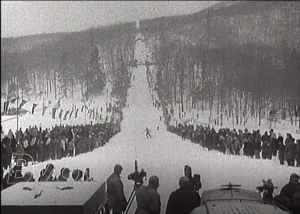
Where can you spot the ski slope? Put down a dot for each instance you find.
(165, 154)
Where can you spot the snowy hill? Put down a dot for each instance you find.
(165, 154)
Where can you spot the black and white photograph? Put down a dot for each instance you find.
(150, 107)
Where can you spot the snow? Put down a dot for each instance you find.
(164, 155)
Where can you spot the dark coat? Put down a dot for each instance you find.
(115, 190)
(290, 150)
(248, 147)
(288, 190)
(281, 148)
(148, 201)
(297, 154)
(182, 201)
(266, 147)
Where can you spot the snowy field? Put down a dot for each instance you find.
(164, 155)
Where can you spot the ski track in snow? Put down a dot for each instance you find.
(165, 154)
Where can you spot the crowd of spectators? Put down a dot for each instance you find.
(38, 145)
(242, 142)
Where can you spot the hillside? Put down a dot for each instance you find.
(239, 22)
(38, 61)
(234, 57)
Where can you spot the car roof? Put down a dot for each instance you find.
(230, 193)
(237, 207)
(234, 200)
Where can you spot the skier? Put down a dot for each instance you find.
(147, 132)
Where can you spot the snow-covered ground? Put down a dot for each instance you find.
(164, 155)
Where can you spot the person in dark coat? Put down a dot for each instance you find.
(47, 151)
(40, 149)
(281, 150)
(273, 142)
(47, 173)
(184, 199)
(257, 145)
(28, 177)
(33, 149)
(115, 191)
(5, 157)
(266, 146)
(286, 196)
(290, 150)
(64, 174)
(297, 153)
(147, 198)
(249, 146)
(7, 150)
(209, 140)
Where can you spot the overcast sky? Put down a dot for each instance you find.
(19, 18)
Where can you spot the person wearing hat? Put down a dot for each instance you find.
(28, 177)
(184, 199)
(287, 192)
(147, 197)
(64, 174)
(115, 191)
(47, 173)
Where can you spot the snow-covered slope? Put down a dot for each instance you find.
(165, 154)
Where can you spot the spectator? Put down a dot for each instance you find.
(290, 150)
(266, 147)
(257, 145)
(297, 153)
(28, 177)
(147, 198)
(248, 146)
(40, 150)
(273, 142)
(64, 174)
(115, 191)
(281, 150)
(47, 173)
(295, 207)
(286, 196)
(184, 199)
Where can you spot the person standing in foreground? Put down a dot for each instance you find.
(287, 192)
(115, 191)
(147, 197)
(184, 199)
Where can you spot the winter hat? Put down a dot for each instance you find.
(50, 166)
(153, 181)
(28, 177)
(183, 181)
(294, 175)
(118, 168)
(64, 171)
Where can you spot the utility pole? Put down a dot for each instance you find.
(17, 106)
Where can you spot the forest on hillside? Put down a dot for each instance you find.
(240, 60)
(41, 64)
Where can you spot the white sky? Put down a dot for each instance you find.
(163, 155)
(19, 18)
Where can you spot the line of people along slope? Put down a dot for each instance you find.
(37, 145)
(250, 144)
